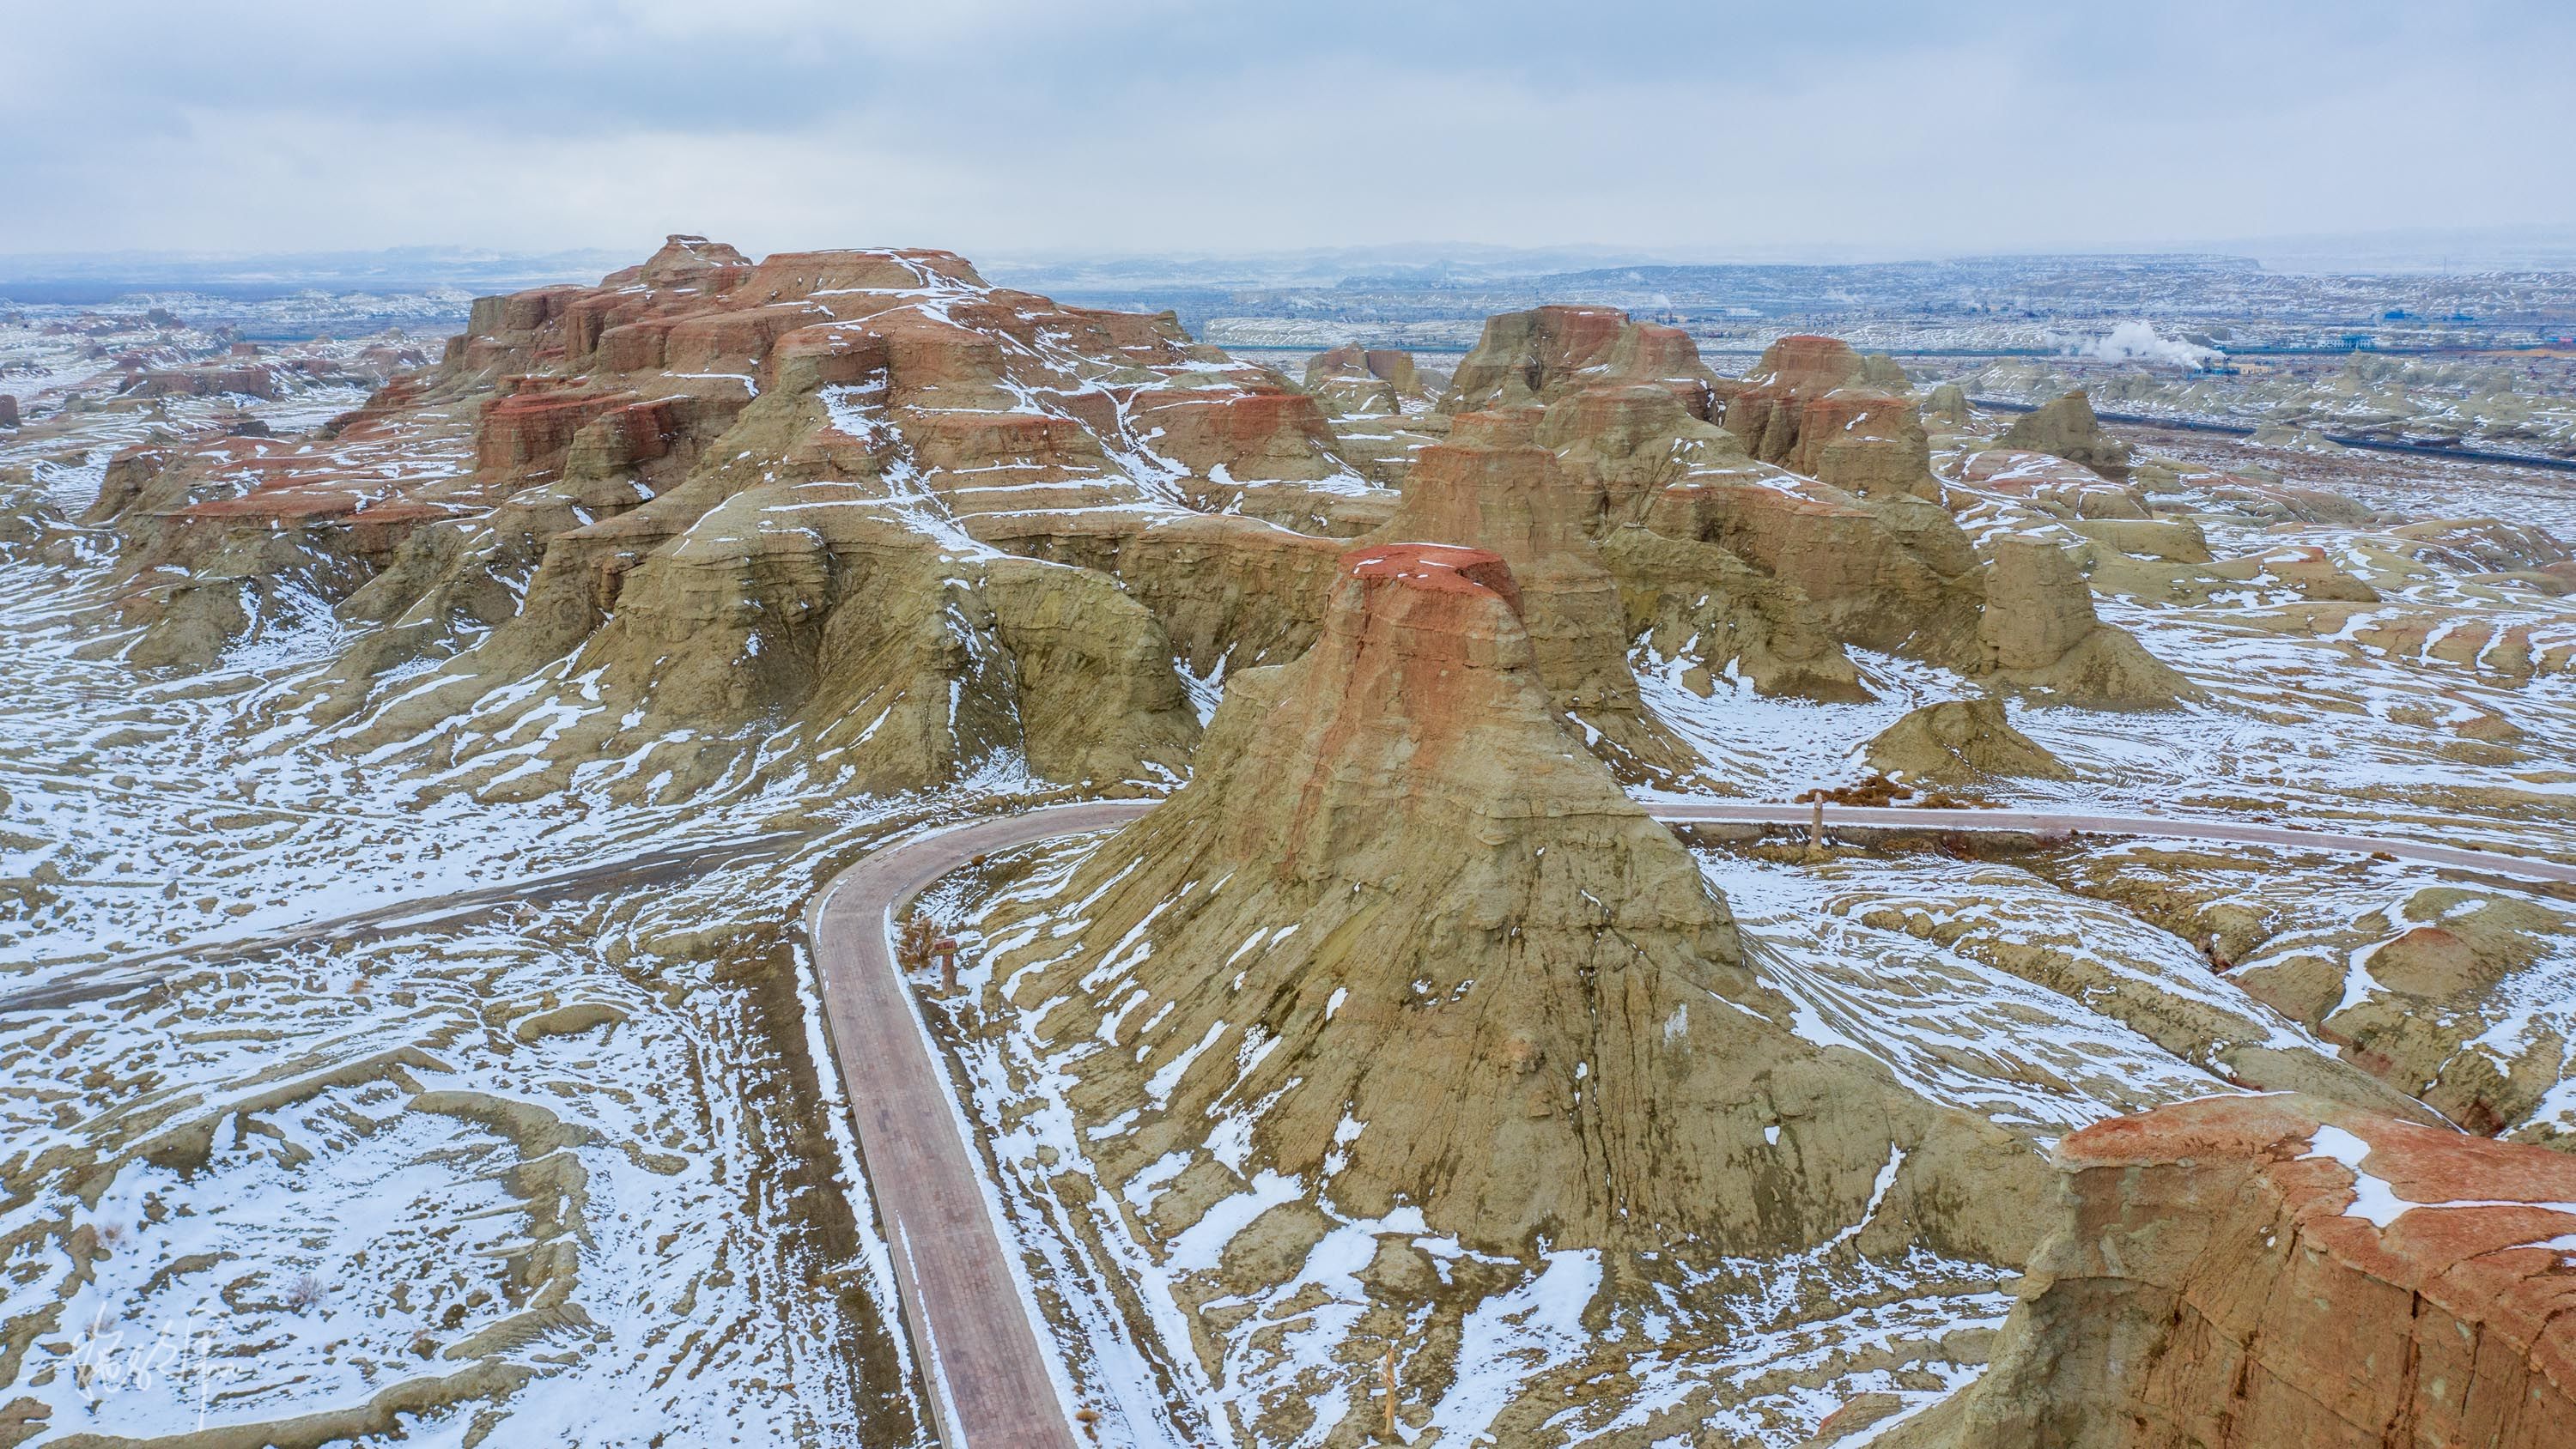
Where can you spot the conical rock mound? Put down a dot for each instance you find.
(1957, 741)
(2039, 632)
(1401, 942)
(2065, 427)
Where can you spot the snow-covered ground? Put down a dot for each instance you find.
(557, 1168)
(1761, 1347)
(561, 1168)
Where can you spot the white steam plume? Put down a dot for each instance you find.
(2138, 342)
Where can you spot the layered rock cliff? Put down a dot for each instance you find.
(1545, 353)
(2280, 1271)
(714, 503)
(858, 505)
(1814, 406)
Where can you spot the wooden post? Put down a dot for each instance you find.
(1389, 1375)
(1816, 826)
(946, 946)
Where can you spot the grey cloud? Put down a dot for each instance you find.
(1021, 126)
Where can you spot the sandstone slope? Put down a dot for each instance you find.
(2064, 427)
(854, 512)
(1411, 936)
(2285, 1272)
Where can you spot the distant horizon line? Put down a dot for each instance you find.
(2536, 247)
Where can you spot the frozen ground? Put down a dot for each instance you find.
(558, 1171)
(564, 1172)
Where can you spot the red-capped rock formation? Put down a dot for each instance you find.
(1491, 486)
(1467, 938)
(751, 493)
(2284, 1272)
(530, 425)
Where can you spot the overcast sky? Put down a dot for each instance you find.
(1010, 127)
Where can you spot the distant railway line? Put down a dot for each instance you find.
(2349, 440)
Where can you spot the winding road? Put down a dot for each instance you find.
(982, 1357)
(986, 1360)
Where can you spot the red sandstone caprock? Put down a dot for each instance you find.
(2285, 1272)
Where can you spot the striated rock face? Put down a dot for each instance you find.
(1958, 741)
(1814, 406)
(1400, 907)
(2039, 632)
(1491, 486)
(714, 510)
(1870, 443)
(1547, 352)
(2065, 427)
(2284, 1272)
(858, 505)
(1582, 515)
(1768, 572)
(1700, 611)
(1894, 575)
(1352, 381)
(1235, 438)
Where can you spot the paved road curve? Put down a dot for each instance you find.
(987, 1366)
